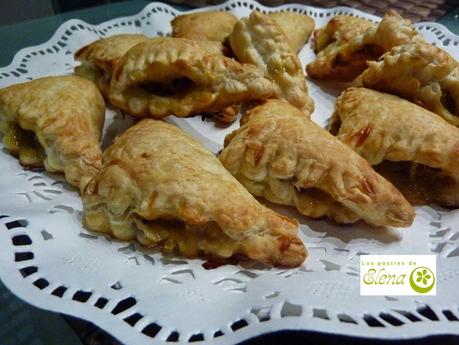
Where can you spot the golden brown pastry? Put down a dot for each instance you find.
(259, 40)
(55, 122)
(345, 62)
(421, 73)
(297, 27)
(160, 186)
(211, 30)
(100, 57)
(339, 30)
(413, 147)
(226, 116)
(210, 27)
(281, 155)
(174, 76)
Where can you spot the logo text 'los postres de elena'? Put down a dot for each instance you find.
(398, 275)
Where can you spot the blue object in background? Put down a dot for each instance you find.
(22, 324)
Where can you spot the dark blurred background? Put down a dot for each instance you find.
(417, 10)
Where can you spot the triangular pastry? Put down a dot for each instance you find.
(55, 122)
(297, 27)
(281, 155)
(160, 186)
(413, 147)
(346, 61)
(99, 58)
(212, 28)
(175, 76)
(339, 30)
(418, 72)
(259, 40)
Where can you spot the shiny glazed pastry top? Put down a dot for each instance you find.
(421, 73)
(282, 155)
(344, 62)
(55, 122)
(99, 58)
(164, 188)
(175, 76)
(413, 147)
(259, 40)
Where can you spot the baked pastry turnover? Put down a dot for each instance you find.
(55, 122)
(339, 30)
(175, 76)
(211, 28)
(411, 146)
(296, 27)
(281, 155)
(99, 58)
(346, 61)
(259, 40)
(421, 73)
(160, 186)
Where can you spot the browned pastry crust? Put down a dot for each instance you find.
(205, 26)
(418, 72)
(281, 155)
(259, 40)
(346, 61)
(216, 26)
(226, 116)
(339, 30)
(175, 76)
(56, 122)
(297, 27)
(401, 138)
(210, 28)
(99, 58)
(164, 188)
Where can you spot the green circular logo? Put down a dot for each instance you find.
(422, 279)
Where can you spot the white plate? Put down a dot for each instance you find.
(129, 291)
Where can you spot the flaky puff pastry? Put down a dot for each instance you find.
(281, 155)
(413, 147)
(56, 122)
(211, 30)
(210, 27)
(421, 73)
(296, 26)
(99, 58)
(160, 186)
(345, 62)
(259, 40)
(339, 30)
(174, 76)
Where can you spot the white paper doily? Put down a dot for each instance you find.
(49, 260)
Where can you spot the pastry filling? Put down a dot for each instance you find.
(359, 57)
(334, 124)
(174, 87)
(316, 203)
(94, 73)
(23, 144)
(420, 184)
(190, 240)
(372, 51)
(448, 102)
